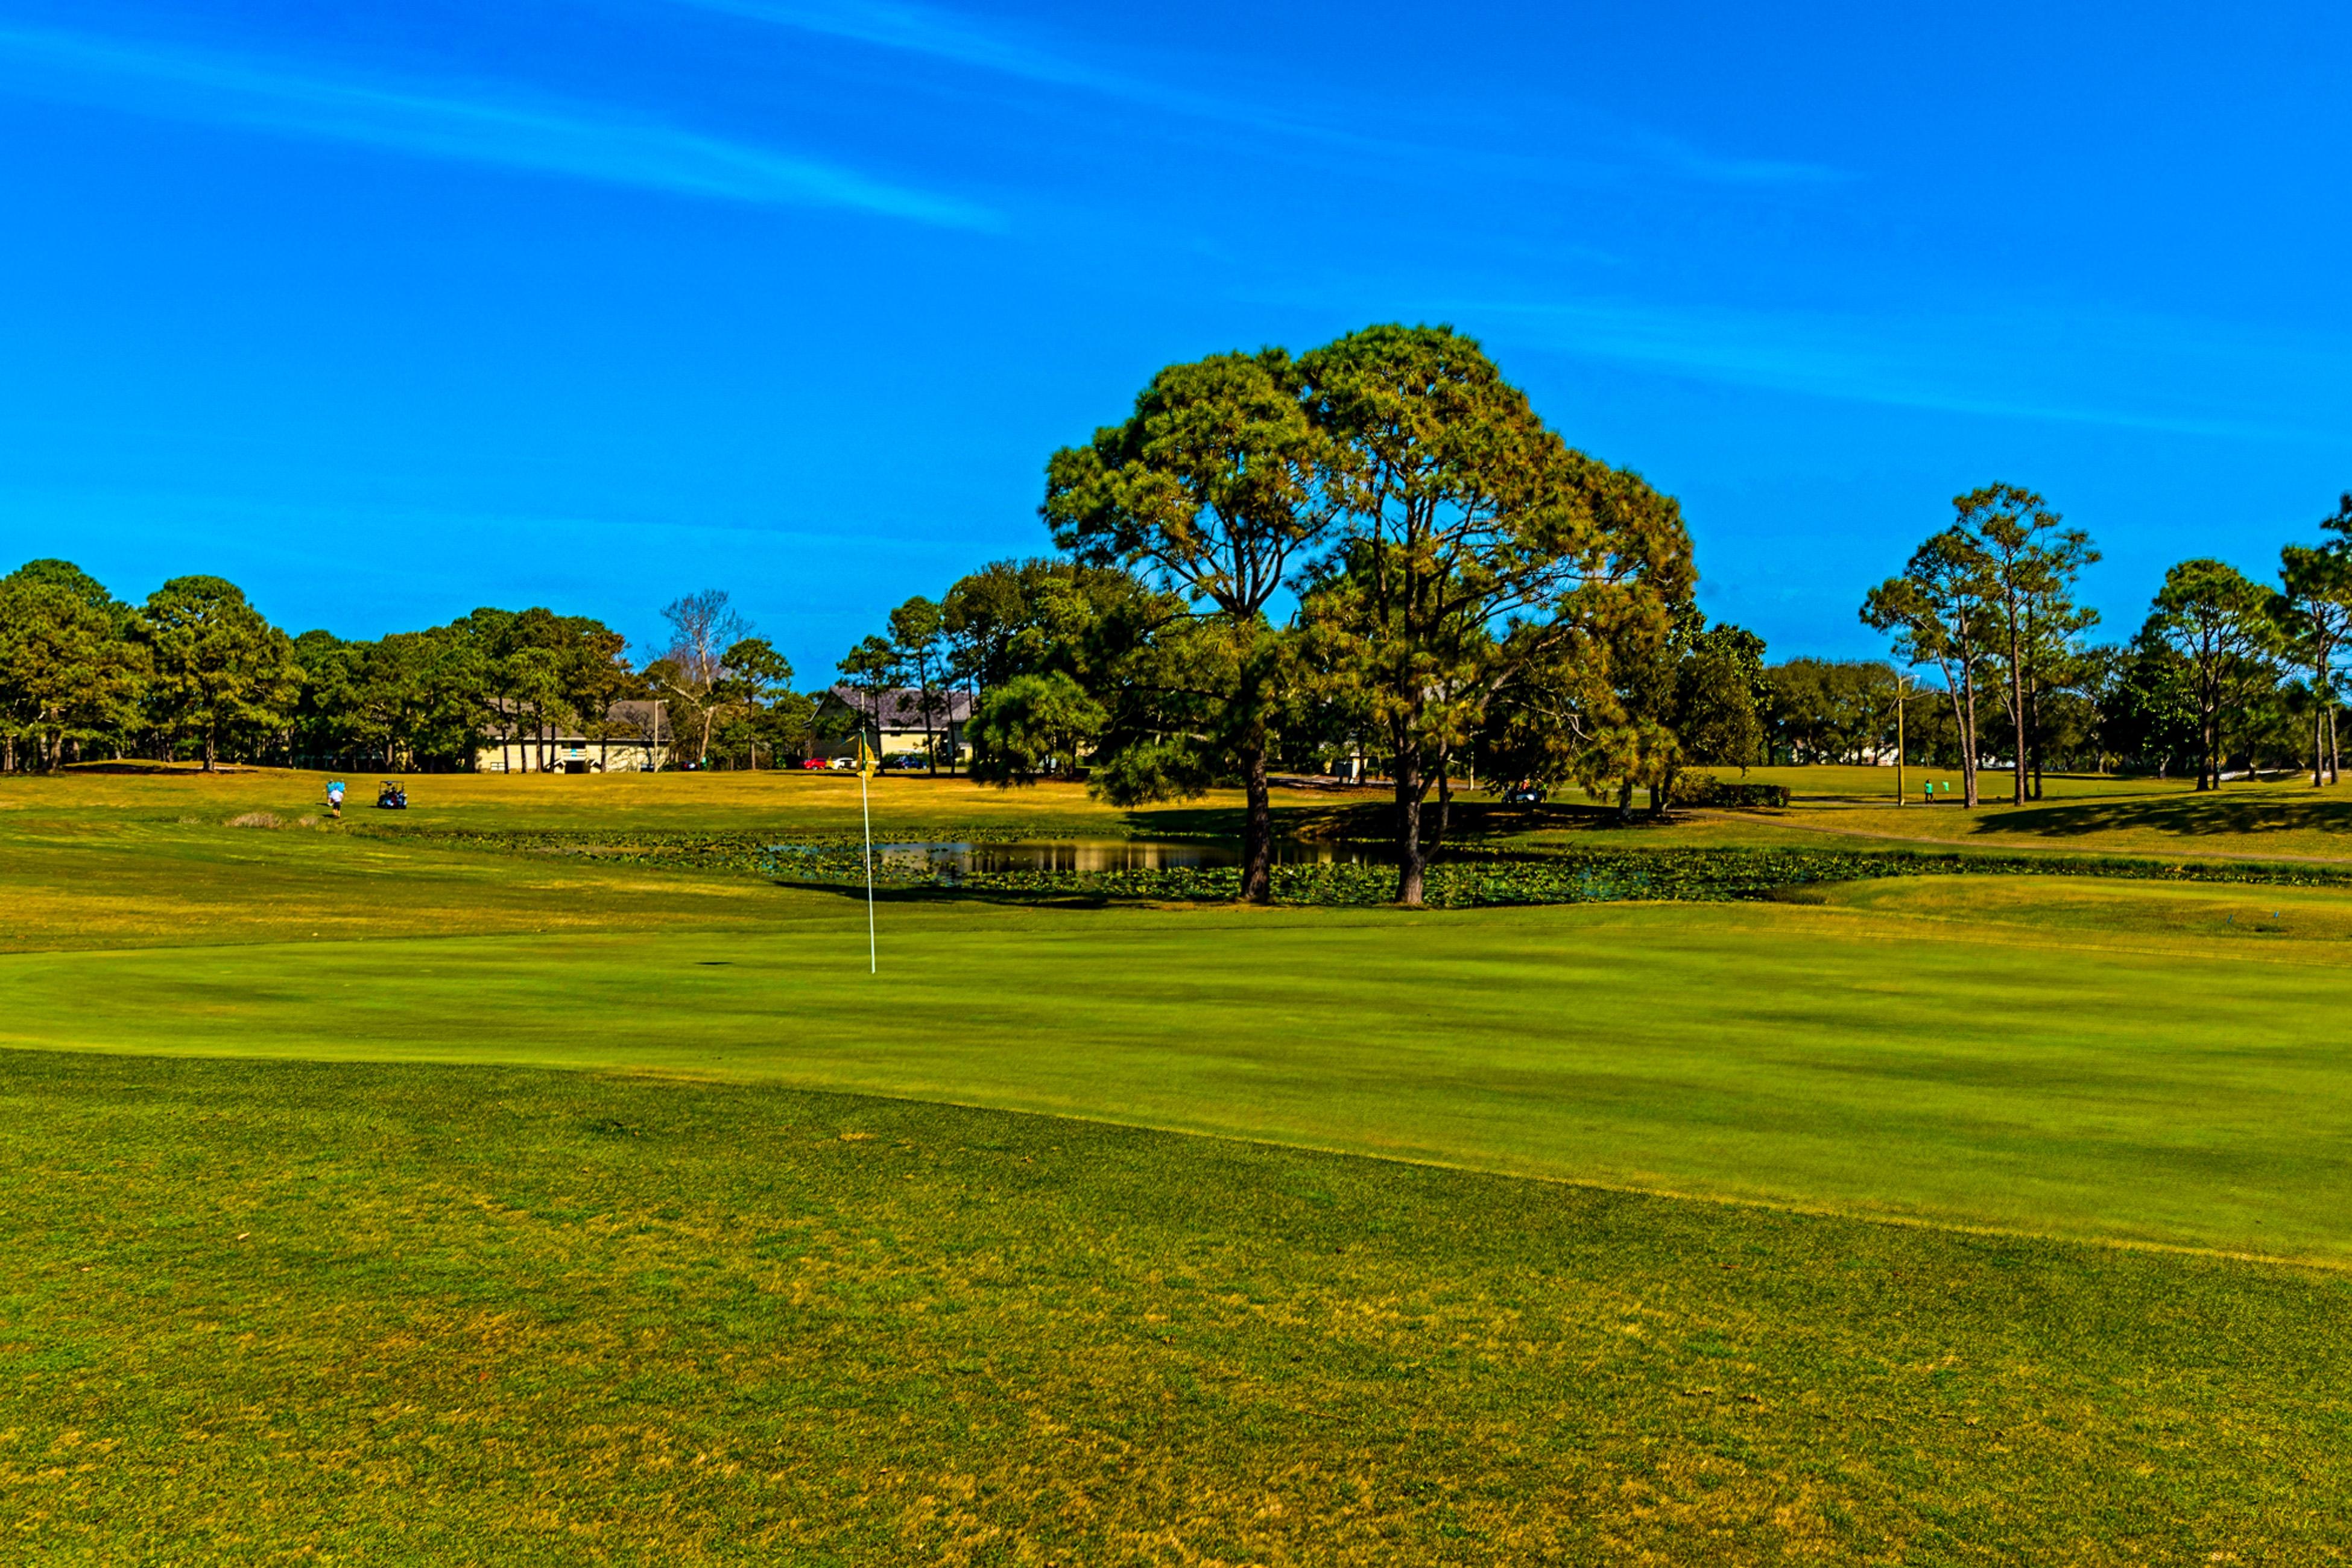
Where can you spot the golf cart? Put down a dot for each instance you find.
(392, 796)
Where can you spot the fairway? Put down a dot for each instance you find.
(2118, 1107)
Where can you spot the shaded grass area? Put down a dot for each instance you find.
(2277, 817)
(2181, 1085)
(410, 1314)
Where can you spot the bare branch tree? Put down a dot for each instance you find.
(702, 629)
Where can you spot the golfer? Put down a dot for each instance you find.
(334, 797)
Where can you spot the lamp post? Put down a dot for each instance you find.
(1902, 691)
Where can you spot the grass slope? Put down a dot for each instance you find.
(262, 1312)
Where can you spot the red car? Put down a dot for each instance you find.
(813, 764)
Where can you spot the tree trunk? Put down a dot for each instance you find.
(1410, 868)
(1258, 833)
(1967, 717)
(2332, 752)
(2033, 733)
(1625, 802)
(2017, 714)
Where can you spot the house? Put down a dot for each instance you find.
(897, 712)
(634, 739)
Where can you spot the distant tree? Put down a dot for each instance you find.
(981, 616)
(2220, 624)
(222, 673)
(1691, 694)
(1832, 710)
(756, 676)
(1475, 545)
(534, 677)
(871, 669)
(2313, 614)
(1938, 613)
(1211, 489)
(68, 672)
(1045, 616)
(1716, 685)
(596, 676)
(1032, 725)
(917, 636)
(326, 708)
(702, 629)
(2027, 565)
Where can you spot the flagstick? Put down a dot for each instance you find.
(866, 805)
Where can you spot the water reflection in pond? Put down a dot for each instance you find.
(953, 860)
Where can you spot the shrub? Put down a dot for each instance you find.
(1707, 789)
(257, 819)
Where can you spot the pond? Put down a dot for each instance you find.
(949, 861)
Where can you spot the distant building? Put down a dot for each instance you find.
(635, 738)
(898, 713)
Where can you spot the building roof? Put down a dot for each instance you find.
(901, 708)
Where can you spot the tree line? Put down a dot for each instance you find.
(2224, 671)
(196, 672)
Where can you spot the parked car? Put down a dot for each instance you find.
(815, 764)
(907, 762)
(1524, 794)
(842, 764)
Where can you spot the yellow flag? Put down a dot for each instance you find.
(865, 757)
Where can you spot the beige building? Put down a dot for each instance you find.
(897, 713)
(635, 739)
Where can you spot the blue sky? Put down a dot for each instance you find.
(392, 308)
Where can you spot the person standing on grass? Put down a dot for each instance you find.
(334, 797)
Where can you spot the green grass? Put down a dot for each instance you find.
(1982, 1219)
(446, 1315)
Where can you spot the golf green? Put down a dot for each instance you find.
(2077, 1081)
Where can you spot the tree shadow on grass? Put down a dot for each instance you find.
(936, 893)
(2211, 815)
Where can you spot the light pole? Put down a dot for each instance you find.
(1902, 691)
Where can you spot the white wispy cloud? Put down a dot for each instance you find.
(463, 124)
(2075, 368)
(949, 37)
